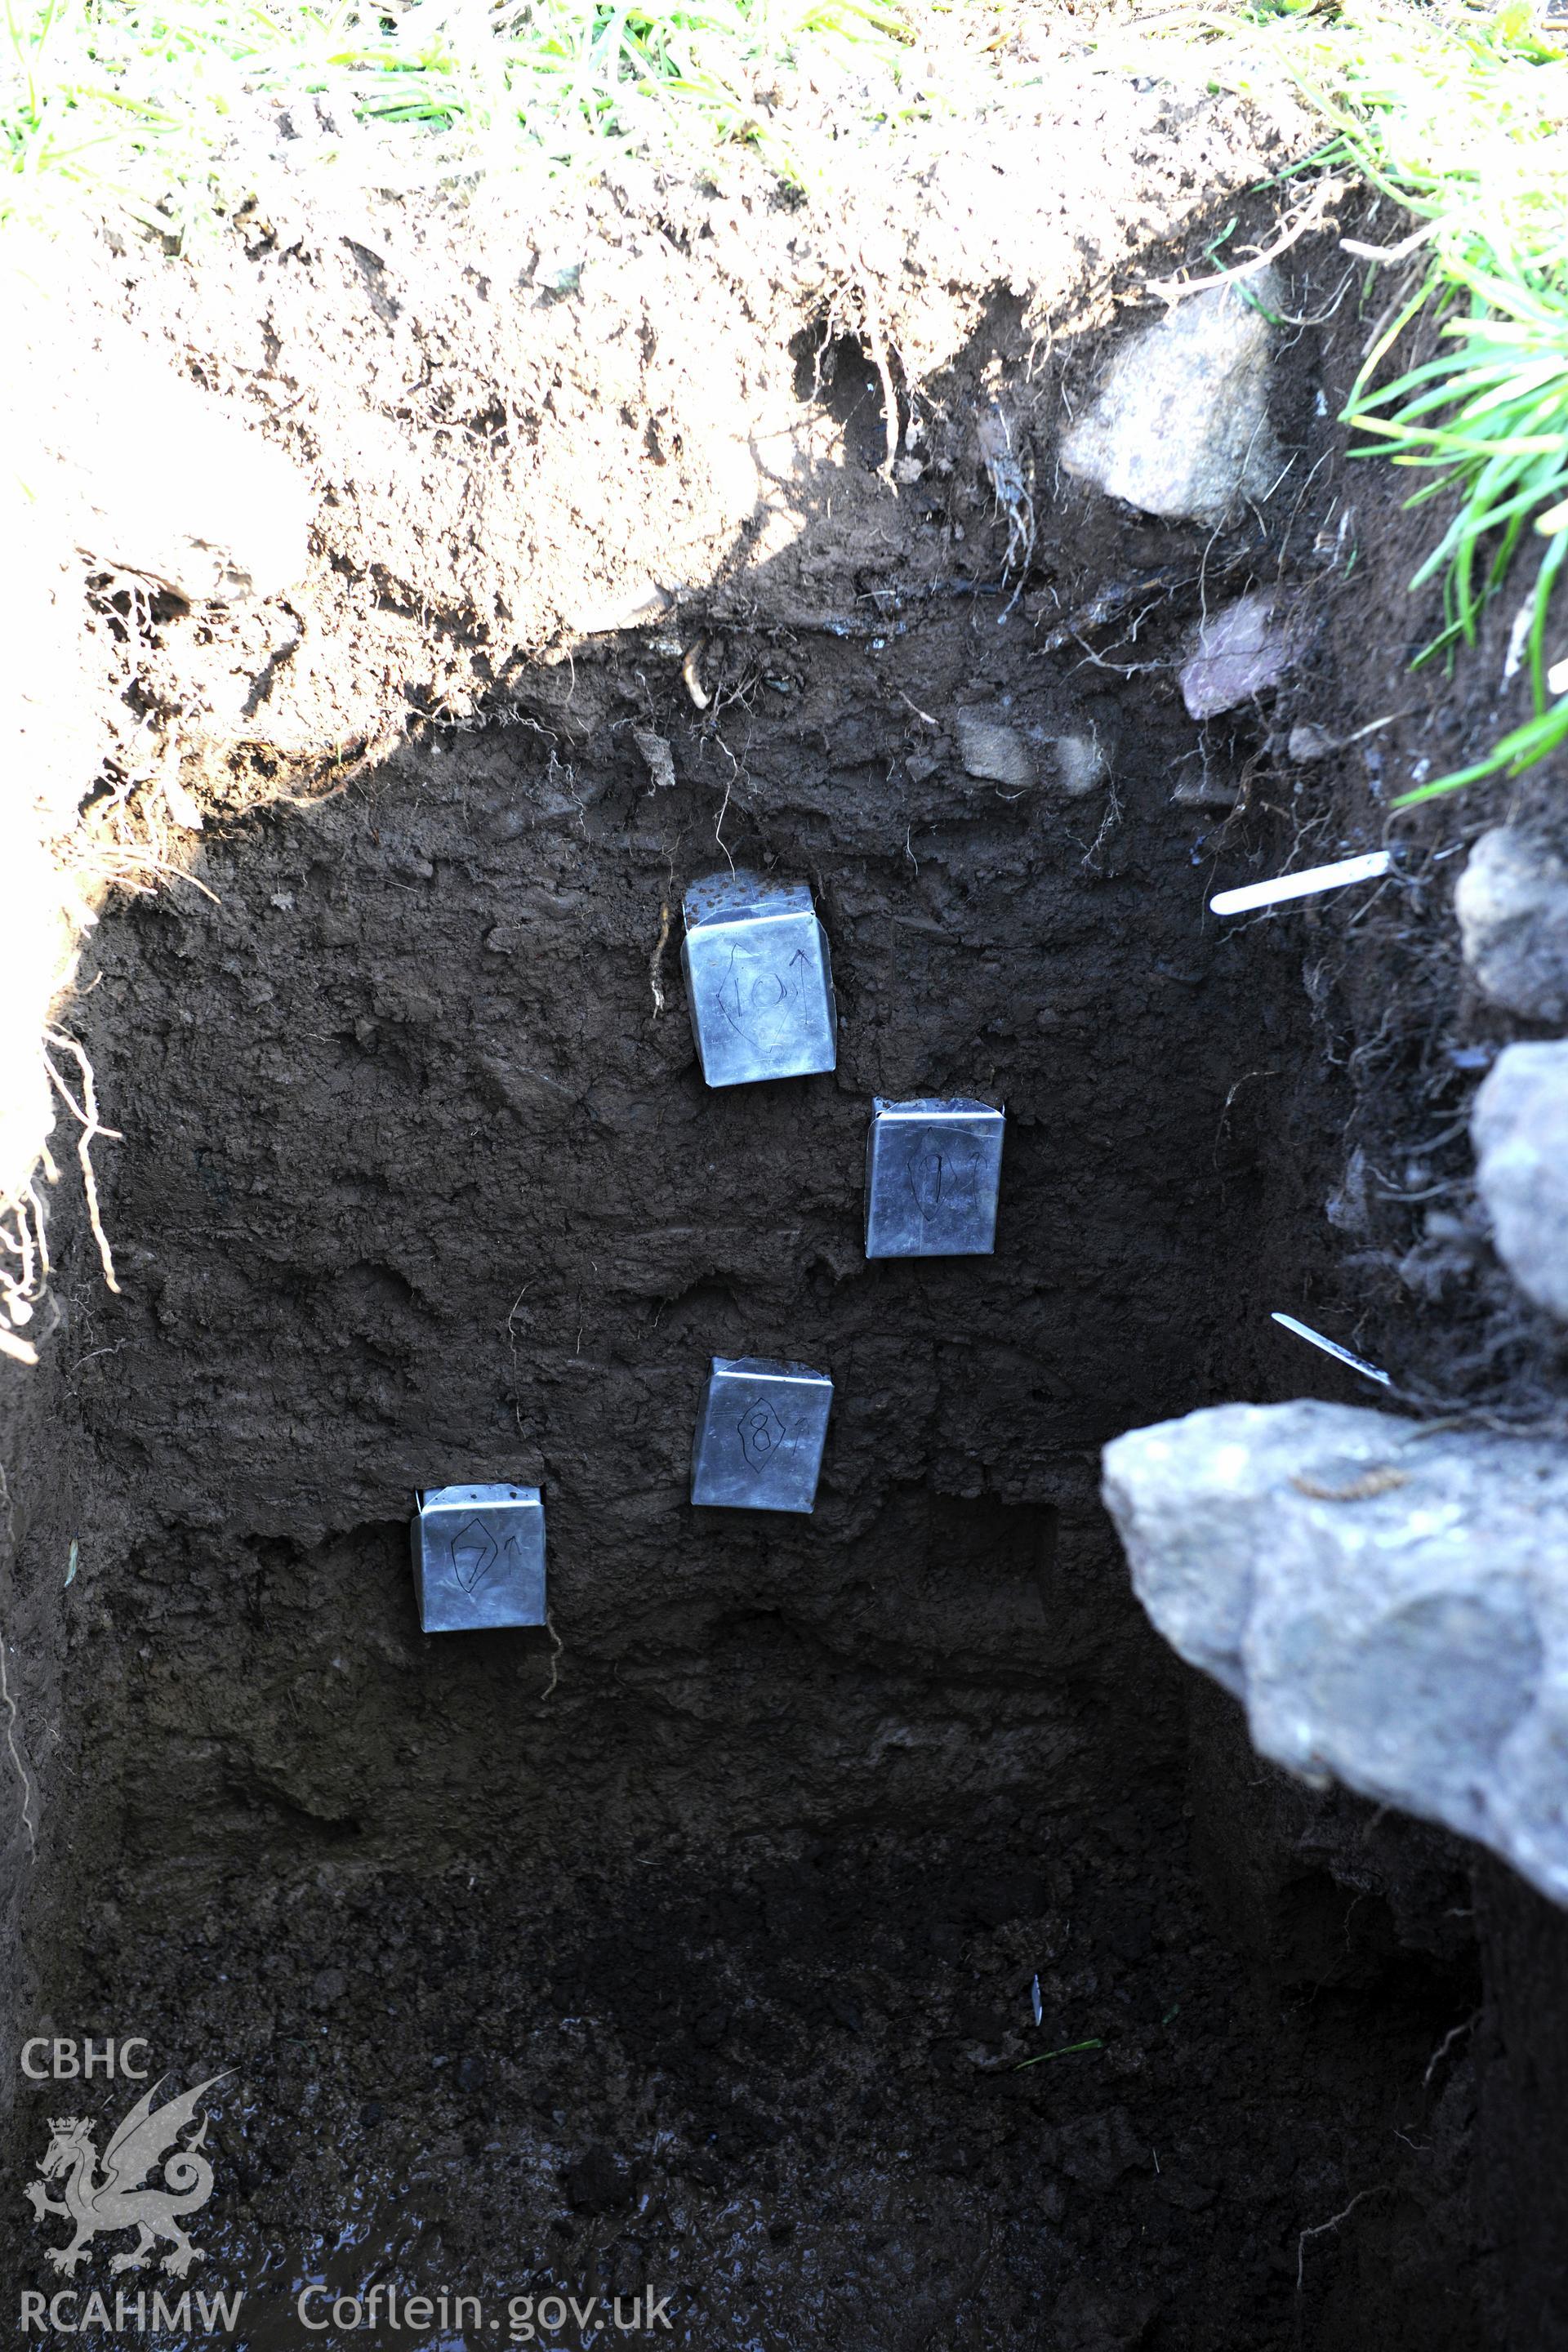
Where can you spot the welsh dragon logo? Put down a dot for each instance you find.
(116, 2197)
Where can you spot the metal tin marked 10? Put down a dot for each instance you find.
(759, 980)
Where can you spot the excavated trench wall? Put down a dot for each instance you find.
(695, 1942)
(454, 1203)
(664, 1932)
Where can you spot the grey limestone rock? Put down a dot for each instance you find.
(1180, 425)
(1512, 906)
(656, 758)
(1388, 1599)
(1519, 1129)
(1309, 743)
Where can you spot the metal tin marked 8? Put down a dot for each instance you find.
(479, 1557)
(759, 1433)
(759, 980)
(932, 1170)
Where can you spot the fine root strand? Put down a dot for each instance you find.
(1447, 2043)
(85, 1113)
(557, 1648)
(1332, 2224)
(9, 1704)
(655, 962)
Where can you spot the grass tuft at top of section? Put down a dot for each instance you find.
(1459, 114)
(147, 106)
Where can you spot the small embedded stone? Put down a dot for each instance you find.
(1081, 765)
(993, 754)
(1240, 651)
(1306, 744)
(183, 808)
(656, 758)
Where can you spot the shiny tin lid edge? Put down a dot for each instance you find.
(457, 1498)
(932, 1106)
(719, 898)
(767, 1368)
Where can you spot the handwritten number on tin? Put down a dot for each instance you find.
(473, 1555)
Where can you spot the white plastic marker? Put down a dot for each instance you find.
(1302, 884)
(1332, 1348)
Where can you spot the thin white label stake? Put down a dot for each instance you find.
(1332, 1348)
(1302, 884)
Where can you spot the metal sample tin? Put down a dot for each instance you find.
(479, 1557)
(932, 1170)
(758, 979)
(760, 1436)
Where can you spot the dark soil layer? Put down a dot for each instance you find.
(690, 1946)
(698, 1950)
